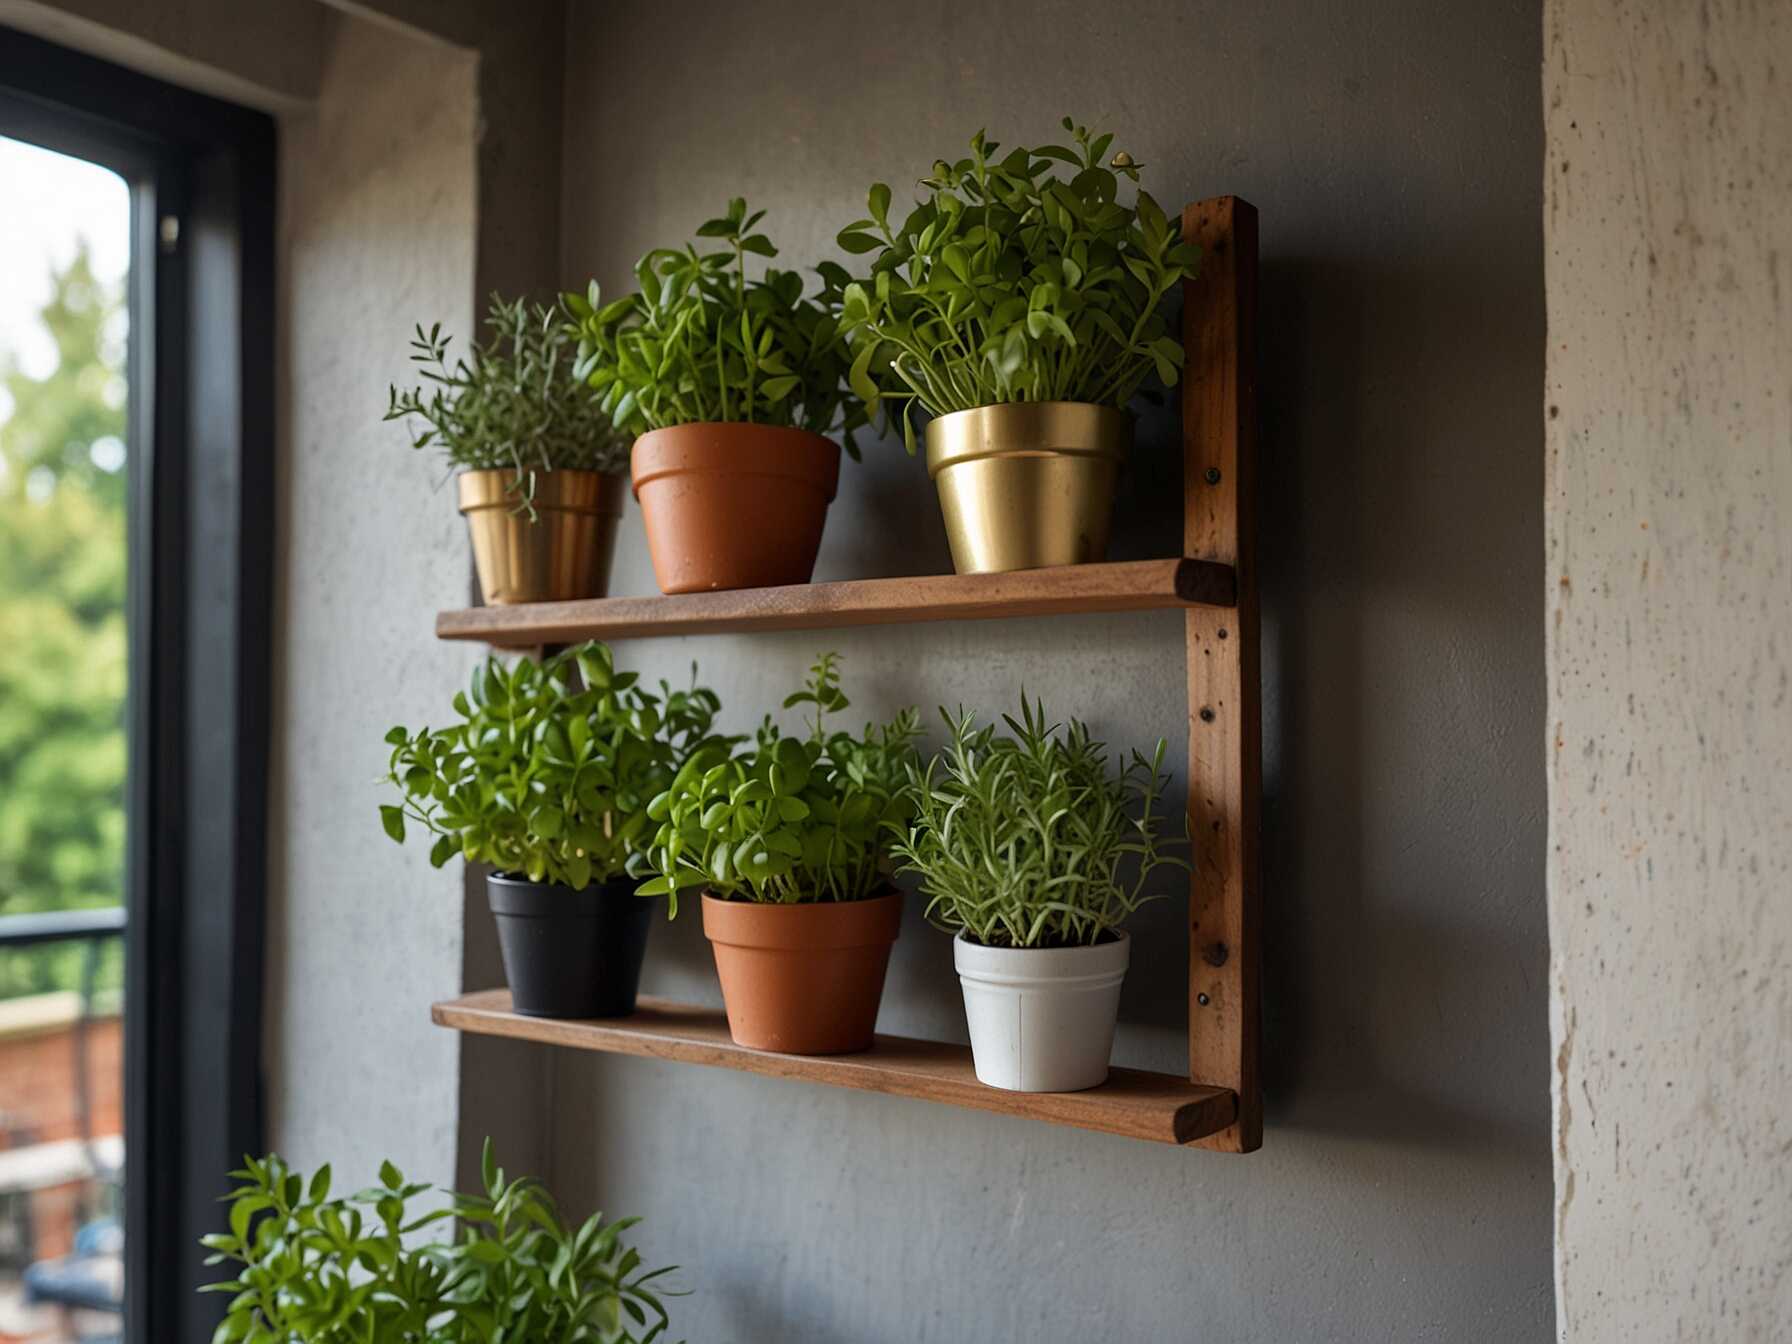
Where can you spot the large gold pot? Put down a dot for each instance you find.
(562, 553)
(1028, 483)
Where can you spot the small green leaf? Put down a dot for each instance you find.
(578, 872)
(859, 377)
(445, 848)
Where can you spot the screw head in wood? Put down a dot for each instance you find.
(1206, 714)
(1213, 475)
(1201, 999)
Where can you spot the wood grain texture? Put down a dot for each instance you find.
(1225, 726)
(1134, 585)
(1131, 1103)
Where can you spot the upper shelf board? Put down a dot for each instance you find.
(1130, 585)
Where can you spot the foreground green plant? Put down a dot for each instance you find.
(545, 777)
(511, 403)
(1008, 283)
(360, 1270)
(789, 819)
(1020, 840)
(701, 342)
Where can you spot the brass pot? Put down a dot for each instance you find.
(562, 553)
(1028, 483)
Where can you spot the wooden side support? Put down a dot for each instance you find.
(1219, 418)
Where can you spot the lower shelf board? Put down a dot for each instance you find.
(1132, 1103)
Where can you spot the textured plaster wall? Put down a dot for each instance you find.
(1403, 1191)
(378, 215)
(1669, 520)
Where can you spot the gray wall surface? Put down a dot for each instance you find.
(1669, 522)
(378, 190)
(1403, 1191)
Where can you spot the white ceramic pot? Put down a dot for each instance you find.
(1041, 1019)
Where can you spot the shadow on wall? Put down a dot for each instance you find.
(1372, 963)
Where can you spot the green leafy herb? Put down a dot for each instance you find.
(363, 1269)
(790, 819)
(543, 776)
(510, 404)
(701, 342)
(1008, 282)
(1019, 840)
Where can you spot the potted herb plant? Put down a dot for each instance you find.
(539, 460)
(548, 778)
(735, 384)
(1022, 310)
(373, 1269)
(787, 841)
(1020, 842)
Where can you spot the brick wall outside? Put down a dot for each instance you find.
(38, 1104)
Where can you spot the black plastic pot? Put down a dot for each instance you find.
(571, 953)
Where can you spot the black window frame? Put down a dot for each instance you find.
(201, 555)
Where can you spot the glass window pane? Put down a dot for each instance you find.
(64, 257)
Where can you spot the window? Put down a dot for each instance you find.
(65, 250)
(191, 476)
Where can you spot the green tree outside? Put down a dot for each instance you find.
(62, 626)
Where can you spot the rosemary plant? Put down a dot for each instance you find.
(511, 403)
(1020, 840)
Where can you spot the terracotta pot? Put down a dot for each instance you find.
(803, 979)
(560, 554)
(733, 505)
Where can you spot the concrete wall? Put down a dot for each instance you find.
(1403, 1189)
(1669, 519)
(378, 196)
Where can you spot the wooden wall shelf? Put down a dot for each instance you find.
(1134, 585)
(1133, 1104)
(1220, 1105)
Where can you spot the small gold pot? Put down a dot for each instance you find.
(562, 553)
(1028, 483)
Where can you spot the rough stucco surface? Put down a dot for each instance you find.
(378, 216)
(1669, 522)
(1403, 1189)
